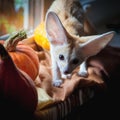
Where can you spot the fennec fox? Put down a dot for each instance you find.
(68, 52)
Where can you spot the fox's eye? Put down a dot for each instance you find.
(61, 57)
(75, 61)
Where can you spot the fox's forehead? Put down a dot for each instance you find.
(66, 50)
(63, 49)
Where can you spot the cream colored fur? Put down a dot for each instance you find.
(66, 9)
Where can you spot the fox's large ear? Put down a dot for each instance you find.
(96, 44)
(54, 29)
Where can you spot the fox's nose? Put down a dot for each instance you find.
(66, 72)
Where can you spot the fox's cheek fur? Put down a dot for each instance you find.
(62, 64)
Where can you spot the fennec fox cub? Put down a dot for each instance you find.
(68, 52)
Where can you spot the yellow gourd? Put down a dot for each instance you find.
(40, 36)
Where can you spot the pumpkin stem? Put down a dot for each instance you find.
(3, 52)
(11, 43)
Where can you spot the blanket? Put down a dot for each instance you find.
(101, 69)
(44, 80)
(104, 74)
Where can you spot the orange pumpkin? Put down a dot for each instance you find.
(24, 57)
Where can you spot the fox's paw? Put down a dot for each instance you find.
(83, 73)
(57, 83)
